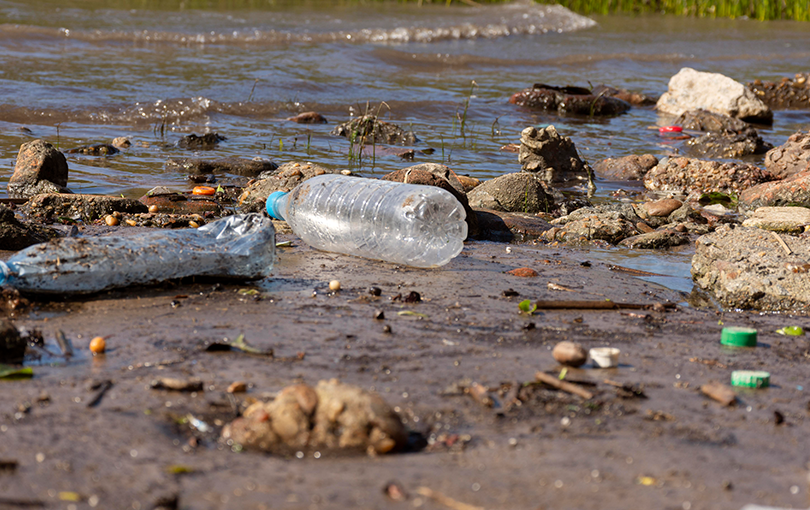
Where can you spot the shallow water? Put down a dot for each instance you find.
(85, 71)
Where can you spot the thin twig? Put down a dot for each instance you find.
(781, 242)
(552, 381)
(445, 500)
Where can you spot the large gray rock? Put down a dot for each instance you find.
(690, 89)
(552, 156)
(694, 176)
(790, 158)
(746, 268)
(518, 192)
(40, 168)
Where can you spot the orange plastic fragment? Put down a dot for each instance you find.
(203, 190)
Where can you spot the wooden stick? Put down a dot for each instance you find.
(445, 500)
(552, 381)
(597, 305)
(782, 243)
(719, 392)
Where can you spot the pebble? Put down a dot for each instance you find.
(334, 285)
(663, 207)
(570, 353)
(523, 272)
(111, 220)
(98, 345)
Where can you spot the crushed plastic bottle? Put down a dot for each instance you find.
(240, 246)
(420, 226)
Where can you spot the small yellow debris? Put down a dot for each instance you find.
(111, 220)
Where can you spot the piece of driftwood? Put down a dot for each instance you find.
(550, 380)
(600, 305)
(719, 392)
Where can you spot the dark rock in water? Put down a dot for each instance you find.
(284, 178)
(309, 118)
(204, 142)
(694, 176)
(791, 158)
(793, 190)
(180, 203)
(787, 93)
(727, 137)
(40, 168)
(506, 227)
(433, 174)
(728, 145)
(523, 192)
(101, 149)
(710, 122)
(231, 165)
(634, 98)
(627, 168)
(12, 345)
(745, 268)
(553, 157)
(15, 235)
(692, 90)
(86, 208)
(655, 240)
(569, 100)
(367, 130)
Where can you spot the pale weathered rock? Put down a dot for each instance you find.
(552, 156)
(571, 354)
(790, 158)
(693, 176)
(40, 168)
(523, 192)
(746, 268)
(331, 416)
(626, 168)
(779, 219)
(609, 223)
(690, 90)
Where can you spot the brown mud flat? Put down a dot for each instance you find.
(70, 440)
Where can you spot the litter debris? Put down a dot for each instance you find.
(239, 246)
(444, 500)
(238, 344)
(405, 229)
(739, 337)
(170, 383)
(9, 372)
(605, 357)
(791, 331)
(750, 378)
(719, 392)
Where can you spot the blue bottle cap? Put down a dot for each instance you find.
(5, 272)
(273, 205)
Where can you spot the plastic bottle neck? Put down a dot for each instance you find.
(276, 204)
(5, 273)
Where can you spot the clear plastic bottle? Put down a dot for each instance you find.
(240, 246)
(420, 226)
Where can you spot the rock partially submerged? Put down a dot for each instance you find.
(726, 137)
(207, 141)
(15, 235)
(507, 227)
(694, 176)
(85, 208)
(746, 268)
(522, 192)
(284, 178)
(609, 223)
(626, 168)
(658, 239)
(790, 158)
(569, 100)
(12, 345)
(787, 93)
(330, 416)
(553, 157)
(690, 90)
(309, 118)
(231, 165)
(368, 129)
(40, 168)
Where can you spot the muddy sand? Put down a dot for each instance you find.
(92, 432)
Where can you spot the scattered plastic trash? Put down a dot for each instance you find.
(239, 246)
(605, 357)
(670, 129)
(791, 331)
(739, 337)
(750, 378)
(420, 226)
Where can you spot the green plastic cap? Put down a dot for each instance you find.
(750, 378)
(739, 337)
